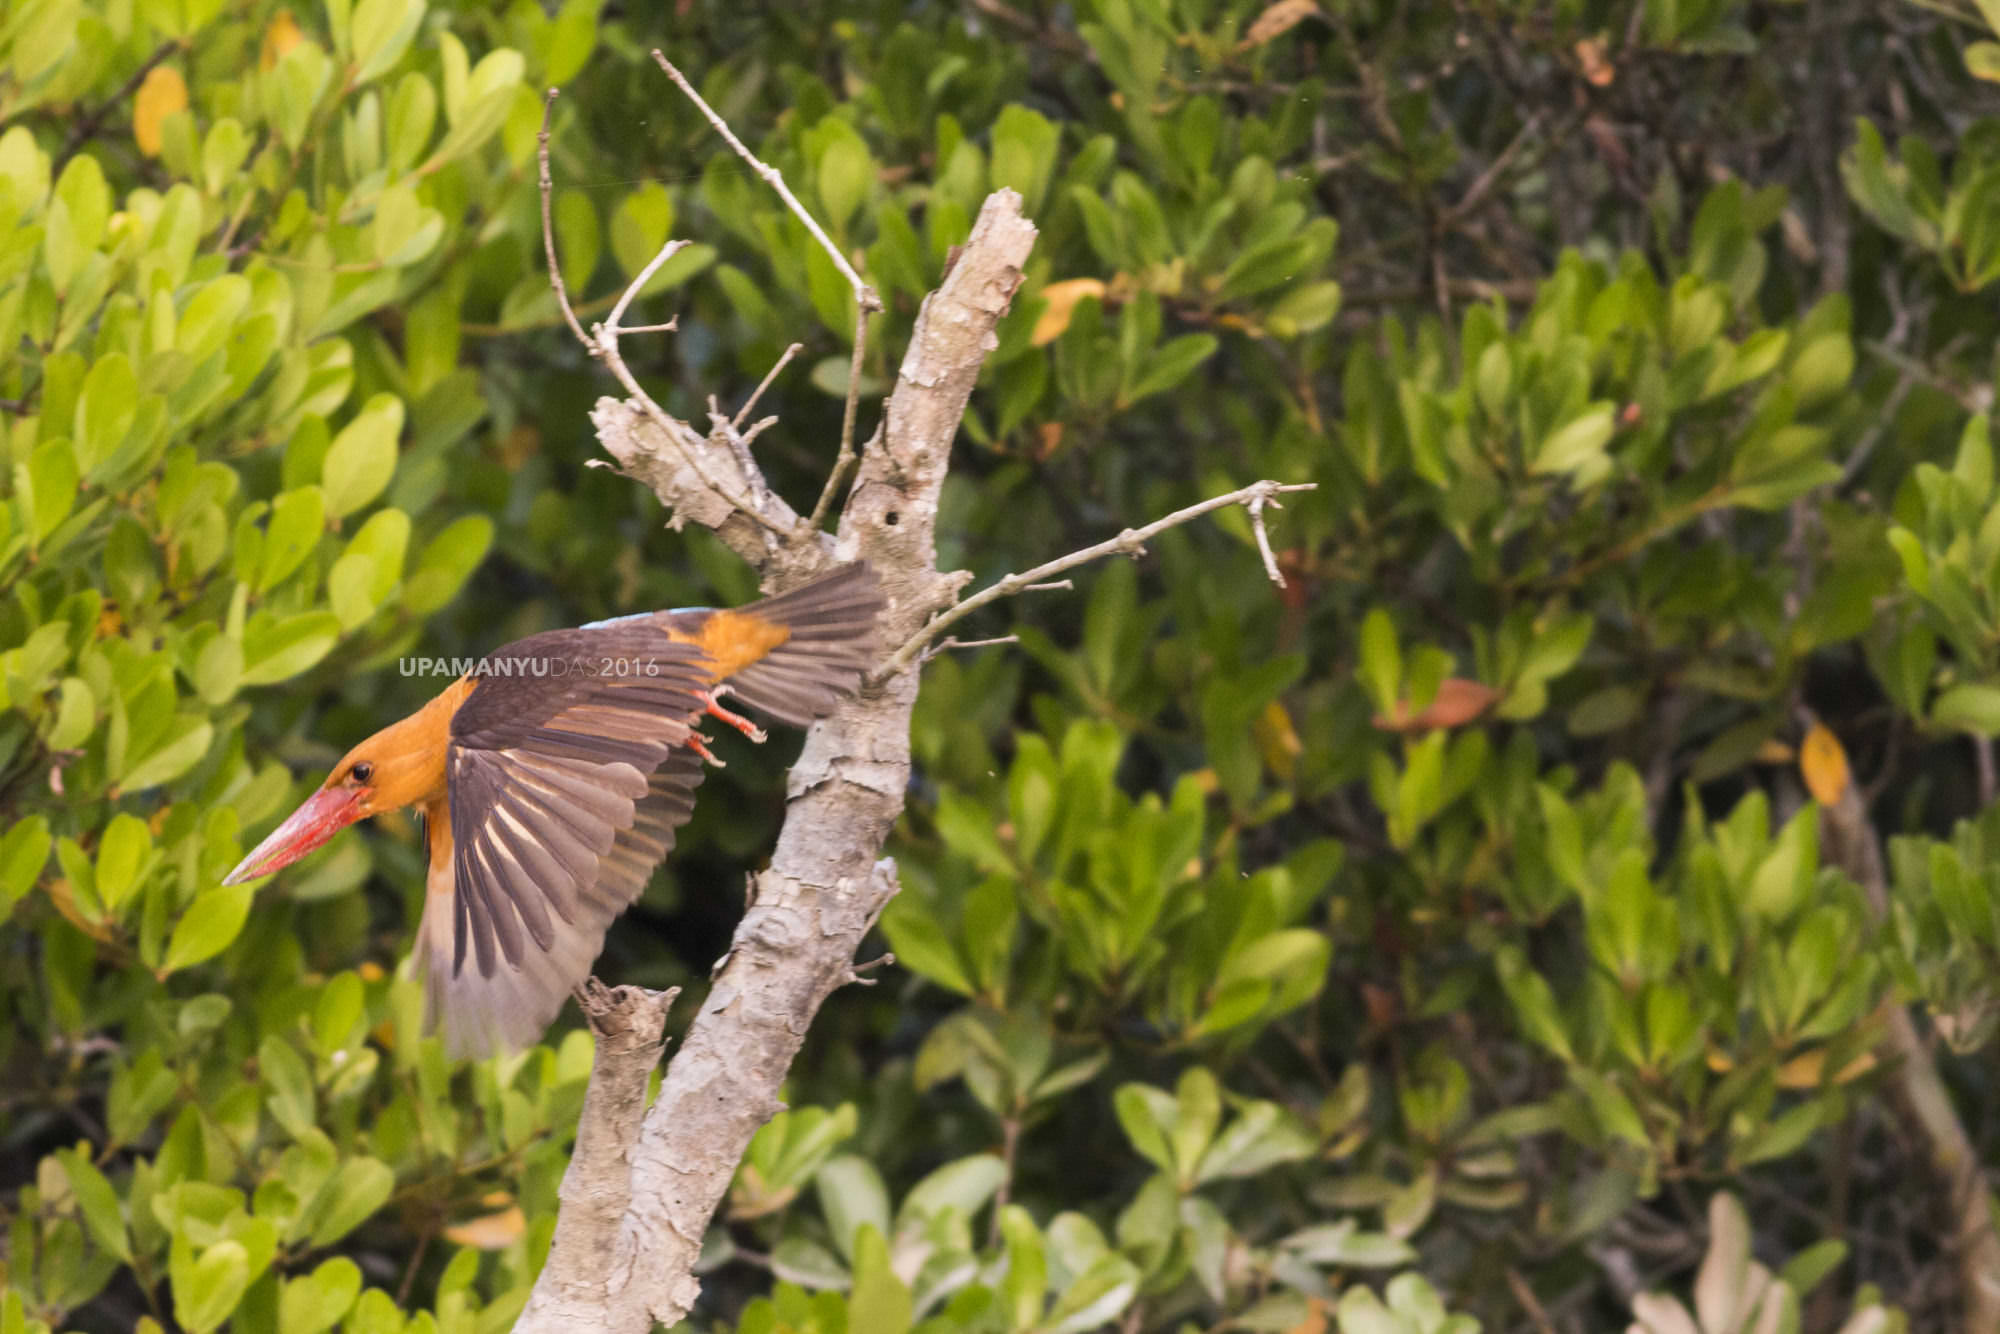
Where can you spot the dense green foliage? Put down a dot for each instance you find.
(1427, 943)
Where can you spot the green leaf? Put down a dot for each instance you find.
(289, 1086)
(209, 927)
(349, 1197)
(278, 651)
(1169, 364)
(880, 1301)
(381, 31)
(122, 851)
(1096, 1298)
(211, 316)
(298, 517)
(1344, 1243)
(1982, 61)
(207, 1292)
(447, 562)
(1146, 1113)
(105, 410)
(316, 1302)
(965, 1185)
(1381, 661)
(852, 1197)
(844, 172)
(98, 1202)
(362, 458)
(579, 237)
(1968, 708)
(1577, 444)
(181, 746)
(24, 851)
(1304, 310)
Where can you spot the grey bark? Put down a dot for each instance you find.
(639, 1193)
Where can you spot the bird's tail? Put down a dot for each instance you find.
(830, 645)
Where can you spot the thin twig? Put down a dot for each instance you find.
(611, 327)
(866, 301)
(601, 341)
(1483, 184)
(1052, 586)
(949, 643)
(772, 179)
(1131, 542)
(743, 413)
(845, 459)
(1256, 508)
(549, 230)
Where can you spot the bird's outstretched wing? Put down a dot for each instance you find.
(569, 768)
(567, 773)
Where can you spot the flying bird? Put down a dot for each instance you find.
(552, 778)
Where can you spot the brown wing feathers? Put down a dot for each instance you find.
(795, 656)
(566, 786)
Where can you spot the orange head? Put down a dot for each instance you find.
(400, 765)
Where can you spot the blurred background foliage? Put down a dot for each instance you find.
(1508, 924)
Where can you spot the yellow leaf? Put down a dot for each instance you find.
(1805, 1070)
(494, 1232)
(1278, 740)
(1276, 21)
(280, 37)
(1824, 765)
(162, 94)
(1062, 298)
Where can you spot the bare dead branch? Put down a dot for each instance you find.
(866, 301)
(629, 1024)
(827, 880)
(1131, 542)
(601, 341)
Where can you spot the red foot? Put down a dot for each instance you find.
(735, 720)
(699, 745)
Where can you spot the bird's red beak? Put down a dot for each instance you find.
(324, 814)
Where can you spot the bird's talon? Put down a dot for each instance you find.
(735, 720)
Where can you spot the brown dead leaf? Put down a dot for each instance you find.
(162, 94)
(1823, 764)
(1597, 67)
(1277, 20)
(1315, 1321)
(1457, 702)
(1062, 298)
(492, 1232)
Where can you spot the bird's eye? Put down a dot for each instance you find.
(362, 772)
